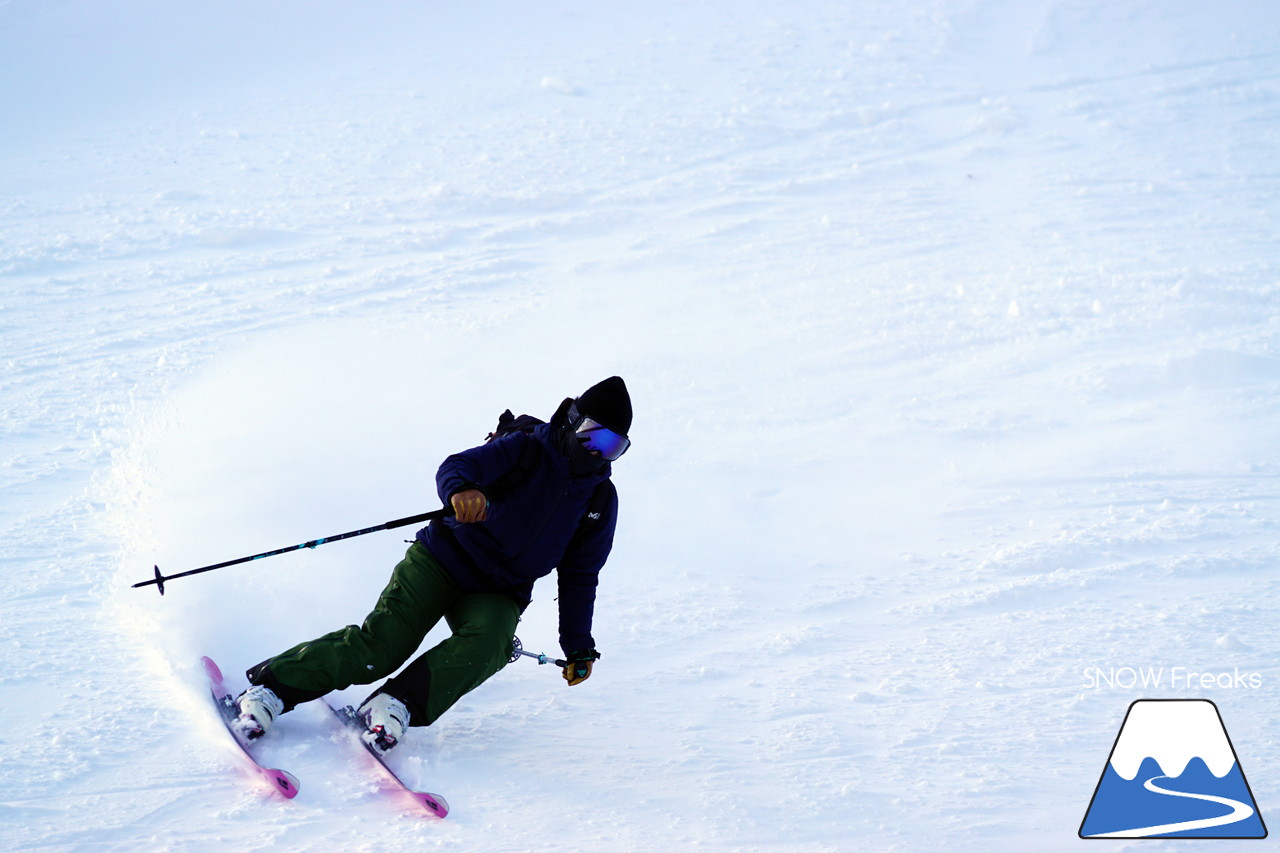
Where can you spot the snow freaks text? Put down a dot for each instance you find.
(1173, 678)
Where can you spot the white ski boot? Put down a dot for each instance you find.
(258, 708)
(385, 718)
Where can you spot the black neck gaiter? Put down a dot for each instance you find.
(581, 462)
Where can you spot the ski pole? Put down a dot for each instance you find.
(517, 650)
(541, 659)
(159, 579)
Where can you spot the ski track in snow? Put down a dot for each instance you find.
(952, 334)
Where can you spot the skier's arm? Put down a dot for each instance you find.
(470, 469)
(577, 578)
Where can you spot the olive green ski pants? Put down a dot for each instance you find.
(418, 595)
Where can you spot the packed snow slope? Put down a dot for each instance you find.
(951, 327)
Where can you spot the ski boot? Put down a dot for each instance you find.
(258, 708)
(385, 718)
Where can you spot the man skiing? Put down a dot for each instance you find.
(521, 503)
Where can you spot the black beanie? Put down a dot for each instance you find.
(608, 403)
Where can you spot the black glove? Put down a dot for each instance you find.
(579, 666)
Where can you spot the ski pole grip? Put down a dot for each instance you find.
(418, 519)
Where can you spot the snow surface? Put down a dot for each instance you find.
(953, 331)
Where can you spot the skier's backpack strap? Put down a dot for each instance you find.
(529, 459)
(508, 423)
(505, 425)
(521, 471)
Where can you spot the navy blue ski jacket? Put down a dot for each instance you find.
(530, 530)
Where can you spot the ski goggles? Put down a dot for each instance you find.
(600, 439)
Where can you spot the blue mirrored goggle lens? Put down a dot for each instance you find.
(605, 441)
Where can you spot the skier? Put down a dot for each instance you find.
(519, 502)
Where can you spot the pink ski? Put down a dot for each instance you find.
(281, 781)
(433, 803)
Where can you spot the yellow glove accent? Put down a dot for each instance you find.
(577, 672)
(470, 506)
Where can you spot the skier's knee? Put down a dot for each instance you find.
(382, 659)
(494, 648)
